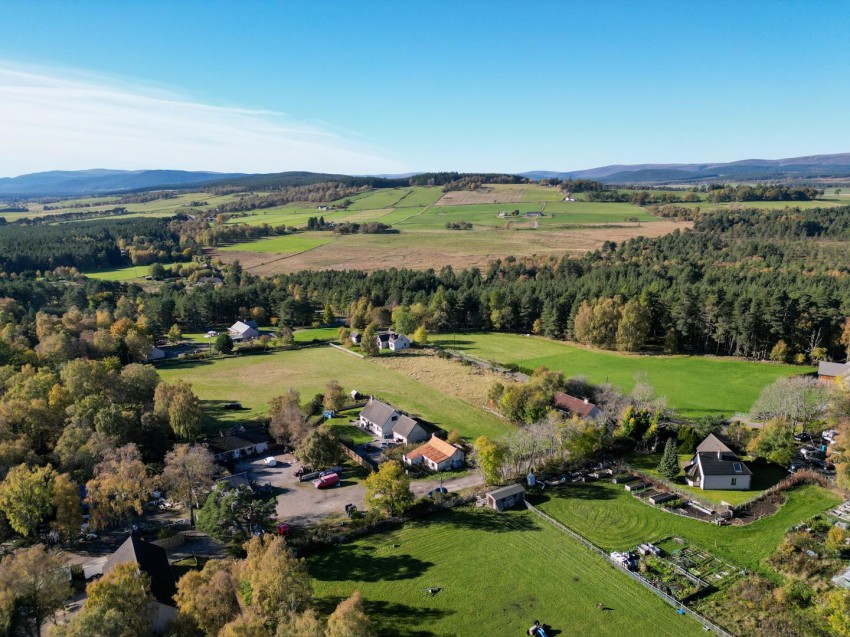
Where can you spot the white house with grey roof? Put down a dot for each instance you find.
(715, 466)
(244, 330)
(387, 422)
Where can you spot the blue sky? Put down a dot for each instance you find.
(371, 87)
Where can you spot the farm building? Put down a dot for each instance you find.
(388, 422)
(828, 372)
(152, 560)
(437, 455)
(392, 341)
(506, 497)
(244, 330)
(715, 466)
(238, 442)
(580, 407)
(355, 338)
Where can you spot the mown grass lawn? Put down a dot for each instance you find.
(255, 379)
(498, 573)
(765, 475)
(124, 272)
(693, 385)
(615, 520)
(325, 334)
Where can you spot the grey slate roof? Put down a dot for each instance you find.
(152, 560)
(405, 425)
(377, 411)
(506, 492)
(833, 369)
(713, 444)
(237, 438)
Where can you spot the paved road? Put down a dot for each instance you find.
(301, 503)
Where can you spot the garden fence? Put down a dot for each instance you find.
(635, 576)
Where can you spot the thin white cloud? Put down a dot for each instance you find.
(63, 120)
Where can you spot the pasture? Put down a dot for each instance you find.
(124, 273)
(284, 244)
(498, 573)
(255, 379)
(613, 519)
(693, 385)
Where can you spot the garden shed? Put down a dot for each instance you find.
(506, 497)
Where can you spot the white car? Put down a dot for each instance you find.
(271, 461)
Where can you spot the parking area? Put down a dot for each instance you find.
(301, 503)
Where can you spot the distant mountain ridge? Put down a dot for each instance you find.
(102, 181)
(808, 167)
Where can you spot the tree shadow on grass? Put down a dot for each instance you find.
(575, 490)
(360, 563)
(486, 520)
(390, 618)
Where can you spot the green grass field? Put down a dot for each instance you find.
(286, 244)
(693, 385)
(765, 475)
(610, 517)
(255, 379)
(123, 273)
(498, 573)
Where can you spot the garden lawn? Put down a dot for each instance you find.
(254, 379)
(325, 334)
(765, 475)
(693, 385)
(498, 573)
(613, 519)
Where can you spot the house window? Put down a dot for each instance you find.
(734, 481)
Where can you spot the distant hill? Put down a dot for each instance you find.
(791, 169)
(100, 181)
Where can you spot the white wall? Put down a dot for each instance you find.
(742, 483)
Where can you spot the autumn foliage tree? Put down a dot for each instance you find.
(188, 472)
(178, 405)
(388, 489)
(33, 585)
(26, 496)
(120, 487)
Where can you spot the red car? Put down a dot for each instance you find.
(330, 480)
(283, 529)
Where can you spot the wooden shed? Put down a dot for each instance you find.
(506, 497)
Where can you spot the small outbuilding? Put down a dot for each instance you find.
(571, 405)
(155, 354)
(506, 497)
(244, 330)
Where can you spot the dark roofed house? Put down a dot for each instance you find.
(388, 422)
(580, 407)
(153, 561)
(715, 466)
(238, 442)
(408, 431)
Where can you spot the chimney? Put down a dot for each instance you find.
(585, 401)
(719, 455)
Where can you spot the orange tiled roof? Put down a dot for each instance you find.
(435, 450)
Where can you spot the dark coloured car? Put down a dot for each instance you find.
(309, 477)
(437, 491)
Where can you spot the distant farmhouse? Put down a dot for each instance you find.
(238, 442)
(244, 331)
(828, 372)
(392, 341)
(715, 466)
(389, 423)
(437, 455)
(386, 339)
(571, 405)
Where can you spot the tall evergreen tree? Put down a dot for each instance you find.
(669, 465)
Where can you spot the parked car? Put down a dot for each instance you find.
(803, 437)
(283, 529)
(271, 461)
(233, 405)
(437, 491)
(309, 477)
(301, 471)
(327, 472)
(324, 482)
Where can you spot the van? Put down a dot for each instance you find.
(330, 480)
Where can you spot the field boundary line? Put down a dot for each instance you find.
(347, 351)
(635, 576)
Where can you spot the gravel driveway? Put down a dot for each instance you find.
(302, 503)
